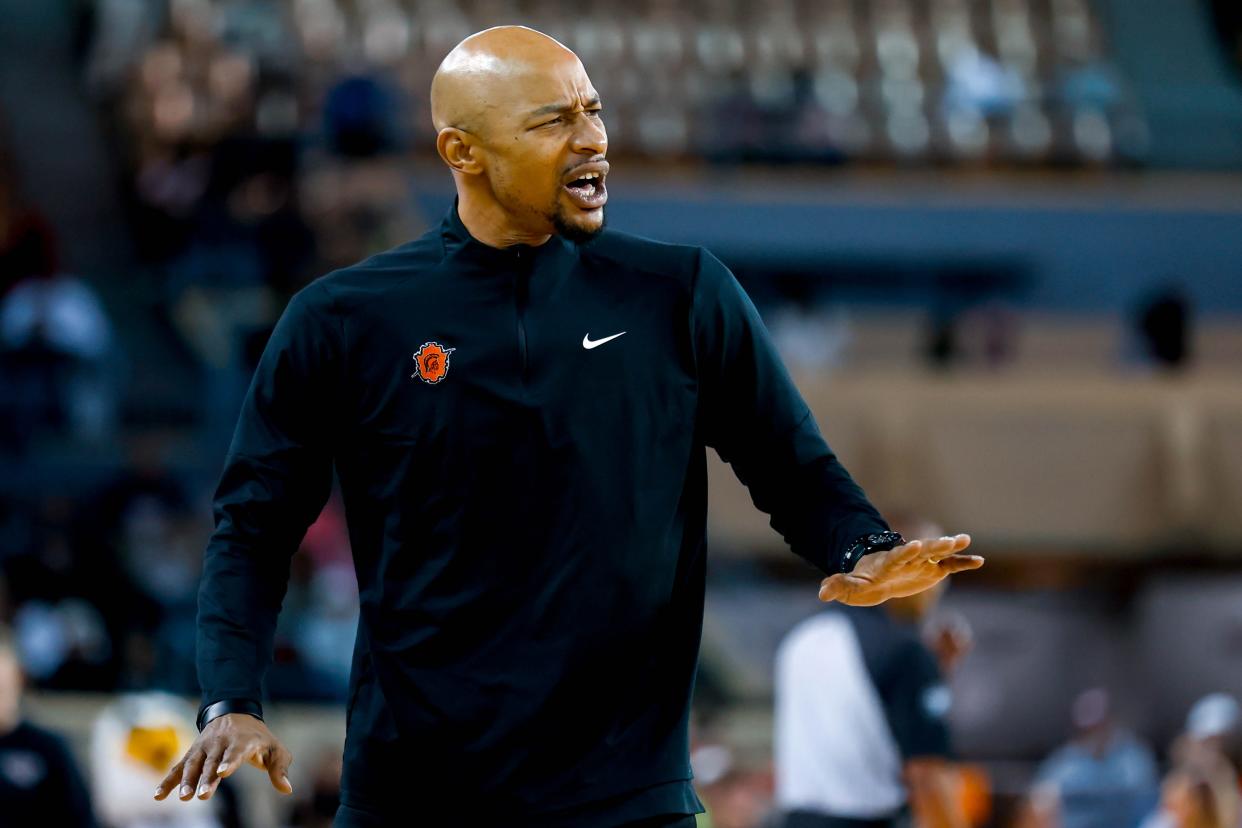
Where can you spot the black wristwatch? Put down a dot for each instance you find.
(875, 542)
(222, 708)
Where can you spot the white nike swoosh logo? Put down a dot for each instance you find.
(588, 343)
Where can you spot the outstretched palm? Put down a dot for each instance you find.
(901, 571)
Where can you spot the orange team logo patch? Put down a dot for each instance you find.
(432, 362)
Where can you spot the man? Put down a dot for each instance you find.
(1105, 775)
(39, 779)
(516, 405)
(861, 738)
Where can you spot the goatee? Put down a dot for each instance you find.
(575, 233)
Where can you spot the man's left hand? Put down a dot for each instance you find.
(901, 571)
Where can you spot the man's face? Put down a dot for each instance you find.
(544, 149)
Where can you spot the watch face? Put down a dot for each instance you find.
(884, 539)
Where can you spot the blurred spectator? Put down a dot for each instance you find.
(738, 133)
(1213, 727)
(134, 741)
(861, 733)
(361, 116)
(808, 337)
(120, 29)
(319, 808)
(977, 82)
(56, 593)
(249, 250)
(56, 341)
(134, 518)
(1228, 16)
(1198, 794)
(319, 621)
(1104, 777)
(39, 780)
(167, 188)
(1164, 325)
(1040, 809)
(734, 798)
(1201, 790)
(155, 539)
(102, 589)
(26, 240)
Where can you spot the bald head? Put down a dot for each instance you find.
(519, 124)
(474, 82)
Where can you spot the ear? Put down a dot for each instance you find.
(457, 149)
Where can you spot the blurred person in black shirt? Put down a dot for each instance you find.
(59, 594)
(39, 780)
(861, 729)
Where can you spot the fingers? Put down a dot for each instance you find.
(960, 563)
(170, 781)
(277, 761)
(219, 751)
(938, 548)
(832, 588)
(908, 552)
(190, 774)
(933, 549)
(233, 758)
(210, 778)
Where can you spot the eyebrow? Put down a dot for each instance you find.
(560, 107)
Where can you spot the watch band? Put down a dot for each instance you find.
(875, 542)
(222, 708)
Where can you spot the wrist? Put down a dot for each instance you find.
(215, 710)
(867, 544)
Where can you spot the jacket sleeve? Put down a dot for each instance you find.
(277, 476)
(753, 416)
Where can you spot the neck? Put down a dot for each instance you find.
(490, 224)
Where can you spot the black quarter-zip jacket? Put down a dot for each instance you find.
(527, 518)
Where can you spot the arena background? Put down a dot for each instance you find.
(998, 241)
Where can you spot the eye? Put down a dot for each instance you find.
(555, 120)
(595, 112)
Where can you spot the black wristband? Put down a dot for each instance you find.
(226, 706)
(876, 542)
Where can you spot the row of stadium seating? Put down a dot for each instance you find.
(963, 81)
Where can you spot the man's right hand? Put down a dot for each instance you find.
(225, 743)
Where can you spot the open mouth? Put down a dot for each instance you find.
(588, 190)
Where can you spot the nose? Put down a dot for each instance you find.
(590, 138)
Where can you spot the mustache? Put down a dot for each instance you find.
(597, 159)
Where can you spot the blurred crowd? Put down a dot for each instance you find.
(1015, 80)
(1103, 776)
(100, 586)
(105, 509)
(961, 81)
(99, 567)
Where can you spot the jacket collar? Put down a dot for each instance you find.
(459, 243)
